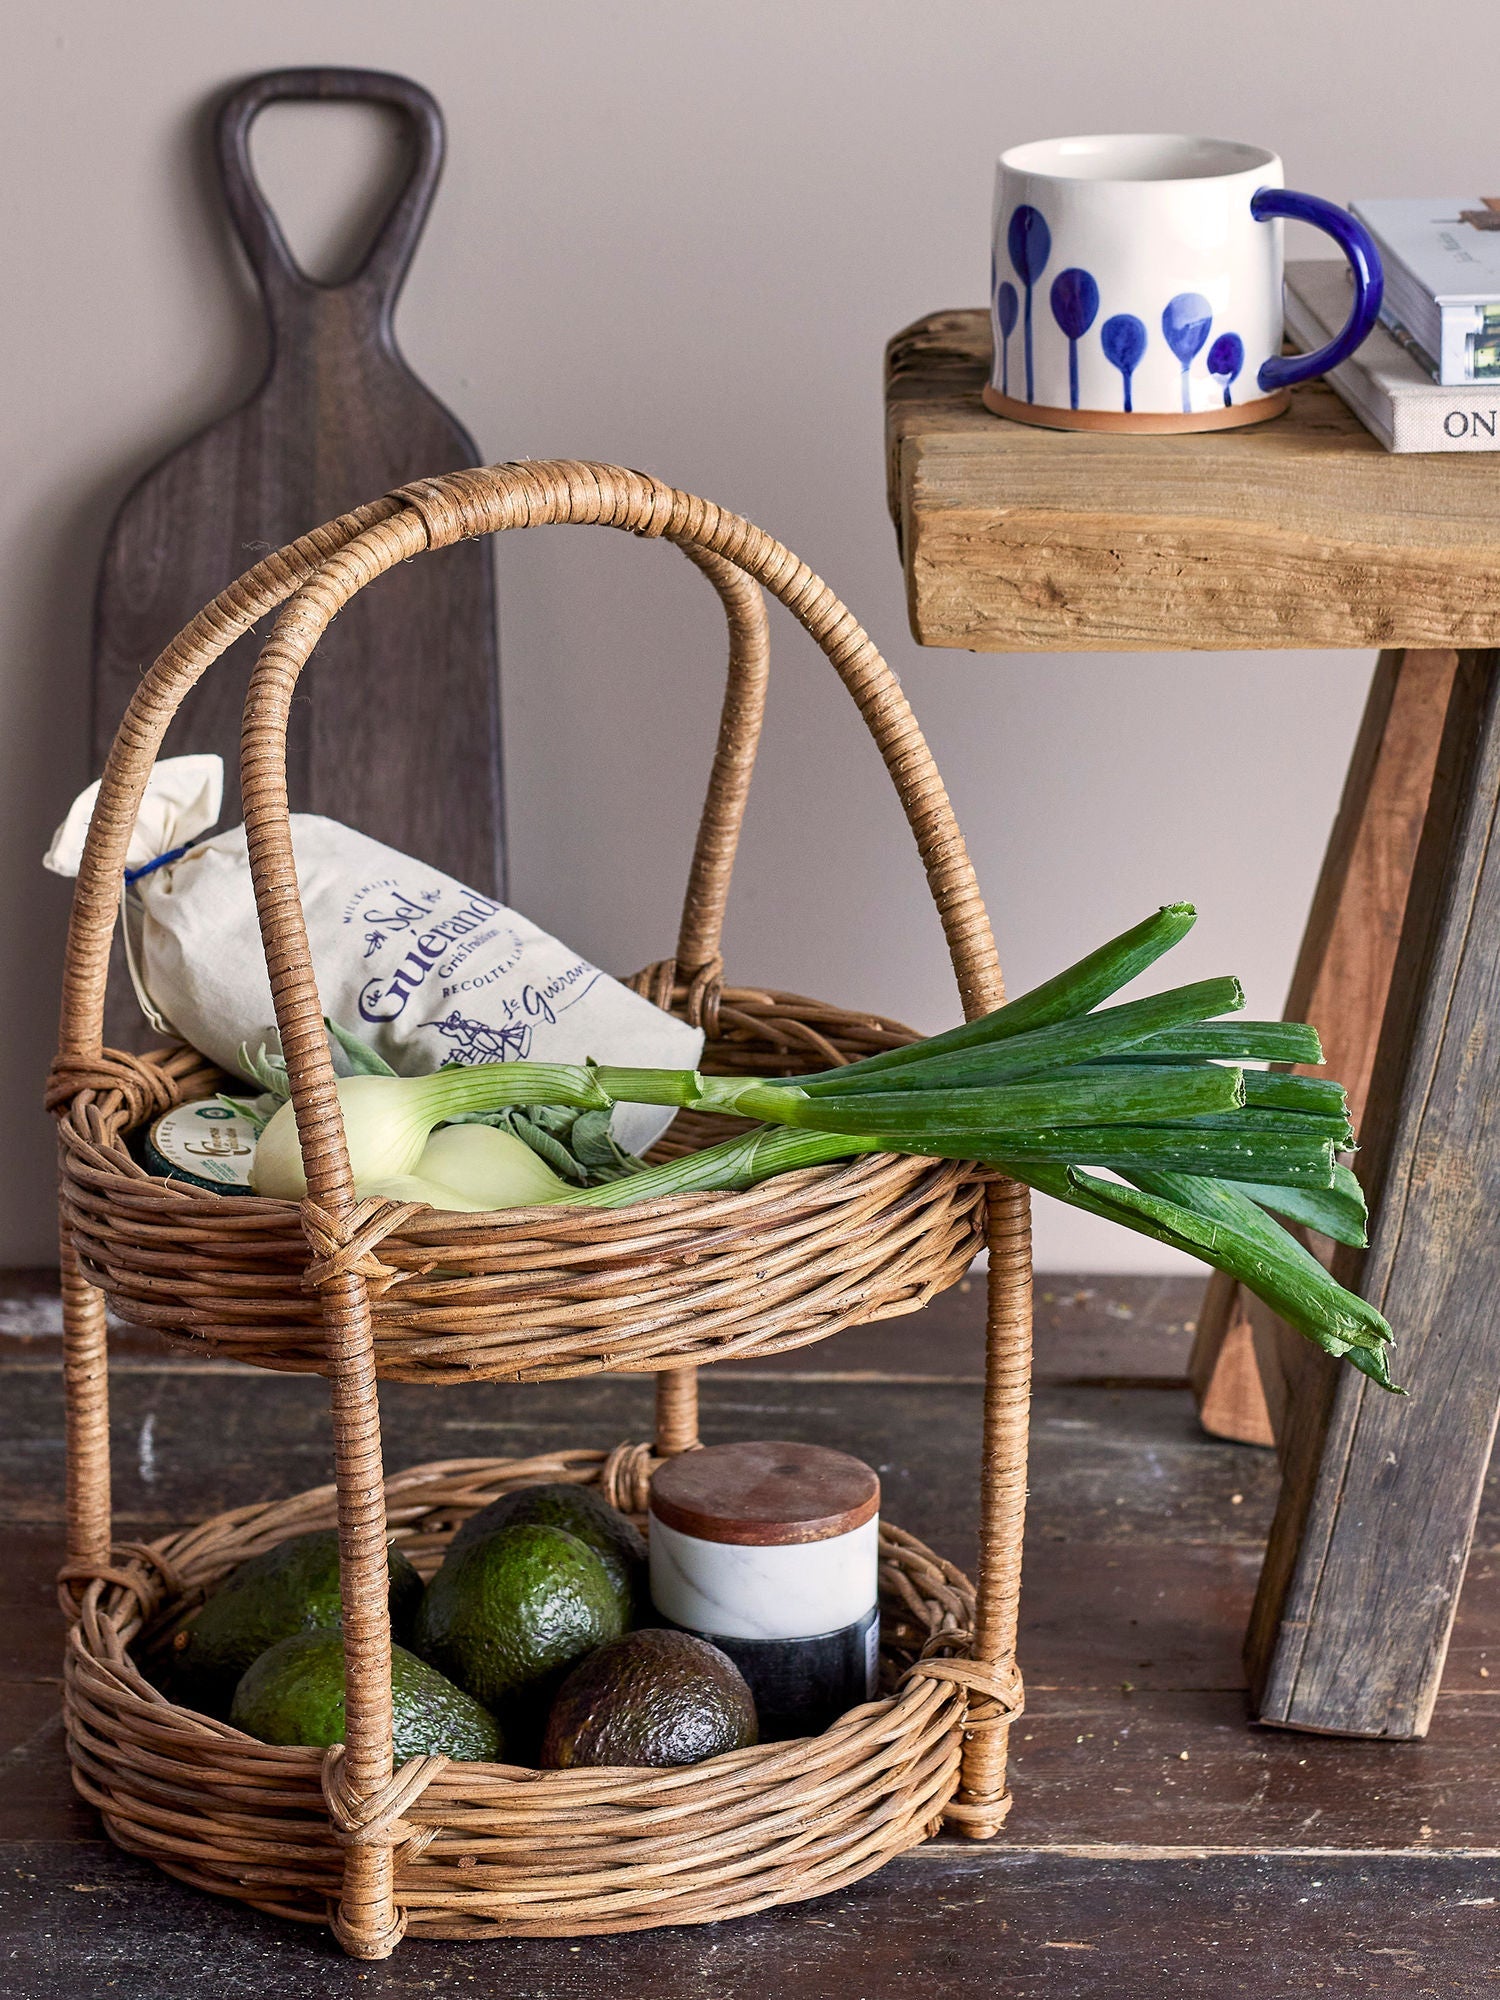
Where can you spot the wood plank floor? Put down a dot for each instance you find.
(1158, 1844)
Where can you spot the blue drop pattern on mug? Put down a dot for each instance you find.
(1186, 321)
(1123, 338)
(1185, 326)
(1029, 242)
(1075, 307)
(1007, 312)
(1225, 360)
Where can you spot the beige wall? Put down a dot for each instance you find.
(677, 235)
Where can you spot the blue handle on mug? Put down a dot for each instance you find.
(1282, 370)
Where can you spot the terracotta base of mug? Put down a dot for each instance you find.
(1144, 422)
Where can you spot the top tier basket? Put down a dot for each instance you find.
(354, 1289)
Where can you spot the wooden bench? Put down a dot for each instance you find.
(1303, 532)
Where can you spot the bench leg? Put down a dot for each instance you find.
(1342, 976)
(1380, 1493)
(1222, 1369)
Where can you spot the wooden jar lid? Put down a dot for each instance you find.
(764, 1494)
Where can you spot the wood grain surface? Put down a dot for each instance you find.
(1372, 1533)
(1340, 984)
(397, 730)
(983, 1924)
(1300, 532)
(1159, 1844)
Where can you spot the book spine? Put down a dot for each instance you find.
(1373, 409)
(1466, 422)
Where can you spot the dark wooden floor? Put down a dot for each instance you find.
(1158, 1845)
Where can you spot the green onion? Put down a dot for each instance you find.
(1291, 1161)
(1338, 1212)
(1154, 1092)
(734, 1164)
(1233, 1233)
(1134, 1026)
(1122, 1149)
(1075, 991)
(387, 1119)
(1265, 1089)
(1318, 1096)
(1093, 1097)
(1295, 1124)
(1246, 1041)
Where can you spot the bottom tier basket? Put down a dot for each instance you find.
(487, 1850)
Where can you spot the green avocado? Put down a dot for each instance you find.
(291, 1588)
(619, 1545)
(654, 1697)
(294, 1693)
(507, 1616)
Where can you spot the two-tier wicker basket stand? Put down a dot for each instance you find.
(358, 1289)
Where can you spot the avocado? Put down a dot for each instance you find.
(654, 1697)
(294, 1693)
(619, 1545)
(508, 1615)
(291, 1588)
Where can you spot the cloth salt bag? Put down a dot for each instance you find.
(425, 970)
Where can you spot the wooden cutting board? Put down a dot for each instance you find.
(397, 726)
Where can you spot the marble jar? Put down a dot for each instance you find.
(770, 1551)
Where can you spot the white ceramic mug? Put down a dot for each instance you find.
(1136, 284)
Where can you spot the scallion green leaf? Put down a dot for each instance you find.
(1075, 991)
(1064, 1044)
(1239, 1041)
(1231, 1232)
(1338, 1212)
(1089, 1097)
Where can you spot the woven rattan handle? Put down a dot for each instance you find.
(385, 263)
(700, 934)
(457, 507)
(460, 506)
(576, 492)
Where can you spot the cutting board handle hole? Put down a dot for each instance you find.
(331, 174)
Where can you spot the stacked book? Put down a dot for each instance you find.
(1386, 381)
(1442, 280)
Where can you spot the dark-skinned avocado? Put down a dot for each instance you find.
(291, 1588)
(507, 1616)
(618, 1543)
(294, 1693)
(653, 1697)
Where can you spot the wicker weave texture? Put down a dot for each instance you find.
(380, 1286)
(544, 1292)
(491, 1850)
